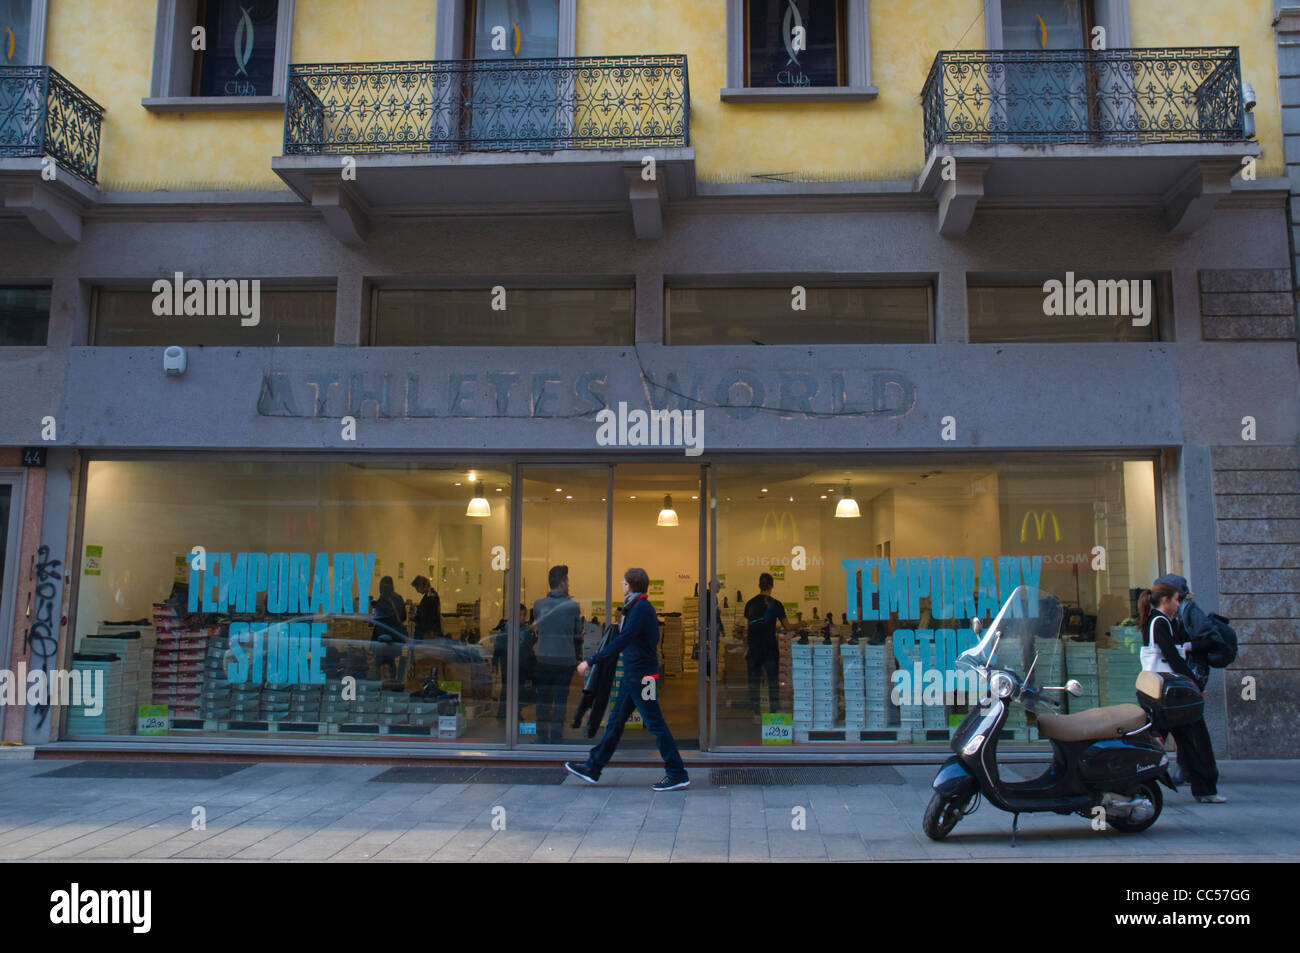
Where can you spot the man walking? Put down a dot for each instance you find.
(638, 640)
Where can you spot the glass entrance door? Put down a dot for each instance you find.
(1056, 96)
(524, 105)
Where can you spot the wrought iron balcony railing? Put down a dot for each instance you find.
(590, 102)
(1084, 96)
(42, 114)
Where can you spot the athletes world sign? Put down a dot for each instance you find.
(540, 392)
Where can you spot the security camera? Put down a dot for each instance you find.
(1248, 96)
(174, 361)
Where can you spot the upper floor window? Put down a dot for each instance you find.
(799, 315)
(220, 54)
(234, 313)
(1068, 308)
(24, 317)
(501, 316)
(798, 51)
(795, 43)
(22, 32)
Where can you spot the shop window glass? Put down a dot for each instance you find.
(831, 315)
(24, 317)
(504, 316)
(771, 45)
(240, 55)
(1084, 308)
(293, 599)
(930, 548)
(303, 318)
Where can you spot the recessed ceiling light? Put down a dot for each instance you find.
(569, 496)
(764, 490)
(633, 497)
(457, 483)
(823, 496)
(498, 489)
(695, 497)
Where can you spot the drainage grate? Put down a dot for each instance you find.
(448, 774)
(811, 775)
(160, 770)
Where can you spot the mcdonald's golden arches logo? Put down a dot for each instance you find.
(779, 522)
(1040, 524)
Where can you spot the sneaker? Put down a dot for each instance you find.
(581, 771)
(670, 783)
(1211, 799)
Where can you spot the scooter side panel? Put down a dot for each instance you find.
(954, 779)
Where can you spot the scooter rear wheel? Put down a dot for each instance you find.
(941, 816)
(1149, 790)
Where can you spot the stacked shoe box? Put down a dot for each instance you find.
(690, 633)
(422, 713)
(876, 689)
(671, 643)
(91, 667)
(214, 703)
(825, 684)
(178, 663)
(394, 708)
(911, 713)
(275, 702)
(1081, 664)
(1117, 672)
(121, 687)
(365, 709)
(305, 703)
(801, 680)
(142, 691)
(246, 702)
(333, 708)
(1048, 670)
(855, 690)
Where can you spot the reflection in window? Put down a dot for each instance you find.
(24, 317)
(776, 29)
(831, 315)
(302, 318)
(240, 55)
(15, 33)
(487, 317)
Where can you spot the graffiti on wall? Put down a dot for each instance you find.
(41, 641)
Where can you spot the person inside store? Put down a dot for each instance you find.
(557, 621)
(388, 609)
(638, 642)
(1162, 652)
(428, 615)
(763, 655)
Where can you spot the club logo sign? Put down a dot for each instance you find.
(243, 42)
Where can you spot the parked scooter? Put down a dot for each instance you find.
(1109, 758)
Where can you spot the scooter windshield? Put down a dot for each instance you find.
(1013, 639)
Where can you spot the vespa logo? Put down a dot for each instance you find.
(243, 42)
(779, 522)
(1040, 524)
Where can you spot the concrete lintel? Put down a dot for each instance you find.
(647, 200)
(51, 214)
(1191, 201)
(959, 195)
(343, 215)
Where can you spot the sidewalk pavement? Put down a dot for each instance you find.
(54, 810)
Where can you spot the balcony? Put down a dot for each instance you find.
(1159, 127)
(49, 149)
(362, 139)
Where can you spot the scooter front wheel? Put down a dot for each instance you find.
(941, 816)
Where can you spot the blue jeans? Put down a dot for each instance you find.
(629, 697)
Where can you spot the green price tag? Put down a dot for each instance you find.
(778, 728)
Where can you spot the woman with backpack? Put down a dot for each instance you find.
(1162, 652)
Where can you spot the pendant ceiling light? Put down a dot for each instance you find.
(478, 504)
(668, 515)
(847, 507)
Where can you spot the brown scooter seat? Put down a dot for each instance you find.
(1094, 724)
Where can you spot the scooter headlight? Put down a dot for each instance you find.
(1002, 685)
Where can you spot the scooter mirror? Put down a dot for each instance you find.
(976, 626)
(1074, 688)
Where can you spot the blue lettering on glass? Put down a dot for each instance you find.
(949, 583)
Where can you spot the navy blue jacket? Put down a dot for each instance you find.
(638, 640)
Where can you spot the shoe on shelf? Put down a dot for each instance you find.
(582, 771)
(669, 783)
(1211, 799)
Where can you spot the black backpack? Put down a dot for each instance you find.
(1223, 651)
